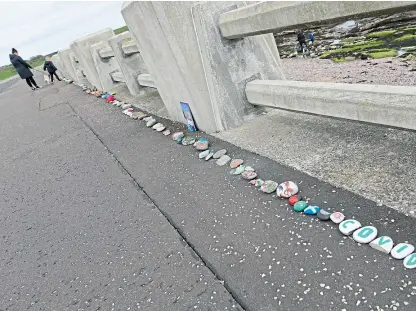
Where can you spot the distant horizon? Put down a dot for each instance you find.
(42, 28)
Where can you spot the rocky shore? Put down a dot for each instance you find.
(367, 38)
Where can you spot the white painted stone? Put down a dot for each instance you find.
(402, 250)
(337, 217)
(410, 261)
(223, 160)
(203, 154)
(365, 234)
(286, 189)
(383, 244)
(349, 226)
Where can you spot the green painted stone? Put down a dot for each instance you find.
(300, 206)
(239, 170)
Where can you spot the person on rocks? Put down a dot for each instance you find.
(22, 69)
(51, 68)
(311, 37)
(301, 39)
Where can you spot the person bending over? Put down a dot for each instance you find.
(22, 69)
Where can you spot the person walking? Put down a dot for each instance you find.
(22, 69)
(301, 39)
(51, 68)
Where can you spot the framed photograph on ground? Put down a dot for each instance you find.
(188, 116)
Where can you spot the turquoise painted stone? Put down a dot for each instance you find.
(311, 210)
(383, 244)
(349, 226)
(402, 250)
(300, 206)
(410, 261)
(365, 234)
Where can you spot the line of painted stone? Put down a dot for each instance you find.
(287, 190)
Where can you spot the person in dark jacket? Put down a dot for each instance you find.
(51, 68)
(22, 69)
(301, 39)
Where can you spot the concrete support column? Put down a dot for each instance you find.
(182, 47)
(81, 49)
(67, 63)
(130, 60)
(105, 64)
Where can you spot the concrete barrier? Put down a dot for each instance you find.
(67, 63)
(146, 80)
(275, 16)
(81, 49)
(381, 104)
(131, 63)
(80, 76)
(189, 61)
(118, 77)
(56, 59)
(105, 64)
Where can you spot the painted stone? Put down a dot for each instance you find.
(323, 214)
(365, 234)
(151, 122)
(248, 175)
(209, 156)
(293, 199)
(268, 186)
(146, 119)
(219, 153)
(202, 144)
(119, 104)
(161, 128)
(166, 133)
(410, 261)
(187, 140)
(203, 154)
(311, 210)
(300, 206)
(142, 117)
(349, 226)
(125, 111)
(236, 162)
(383, 244)
(125, 106)
(223, 160)
(239, 170)
(177, 135)
(249, 169)
(157, 125)
(286, 189)
(179, 140)
(337, 217)
(137, 114)
(256, 182)
(402, 250)
(129, 113)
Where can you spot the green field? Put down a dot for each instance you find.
(9, 71)
(120, 30)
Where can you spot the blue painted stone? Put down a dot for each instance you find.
(311, 210)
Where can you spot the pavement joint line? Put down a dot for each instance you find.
(204, 261)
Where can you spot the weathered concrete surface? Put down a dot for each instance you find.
(106, 66)
(380, 104)
(80, 76)
(118, 77)
(376, 162)
(81, 49)
(210, 77)
(146, 80)
(130, 61)
(275, 16)
(77, 233)
(67, 63)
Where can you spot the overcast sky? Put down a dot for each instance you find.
(37, 27)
